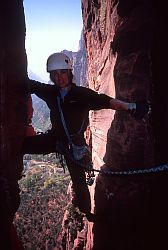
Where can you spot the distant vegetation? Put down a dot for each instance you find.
(43, 202)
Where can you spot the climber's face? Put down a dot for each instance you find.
(60, 78)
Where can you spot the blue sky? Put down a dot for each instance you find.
(51, 26)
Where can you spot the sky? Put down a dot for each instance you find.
(51, 26)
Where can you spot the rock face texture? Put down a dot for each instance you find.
(123, 49)
(13, 114)
(125, 44)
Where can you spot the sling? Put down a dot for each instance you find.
(78, 151)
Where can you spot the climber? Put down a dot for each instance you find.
(69, 110)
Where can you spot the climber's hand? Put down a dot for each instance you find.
(140, 109)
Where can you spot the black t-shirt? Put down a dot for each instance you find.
(75, 105)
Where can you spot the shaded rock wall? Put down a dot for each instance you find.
(13, 113)
(125, 74)
(13, 70)
(124, 60)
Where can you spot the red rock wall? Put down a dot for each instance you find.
(13, 110)
(123, 47)
(125, 74)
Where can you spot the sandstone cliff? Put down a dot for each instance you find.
(125, 45)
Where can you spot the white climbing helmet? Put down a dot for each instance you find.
(58, 61)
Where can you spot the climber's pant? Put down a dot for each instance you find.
(79, 186)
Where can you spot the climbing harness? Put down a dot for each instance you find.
(78, 151)
(88, 168)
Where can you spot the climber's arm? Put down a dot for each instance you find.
(42, 90)
(34, 87)
(136, 109)
(119, 105)
(95, 101)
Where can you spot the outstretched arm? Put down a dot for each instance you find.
(35, 86)
(42, 90)
(95, 101)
